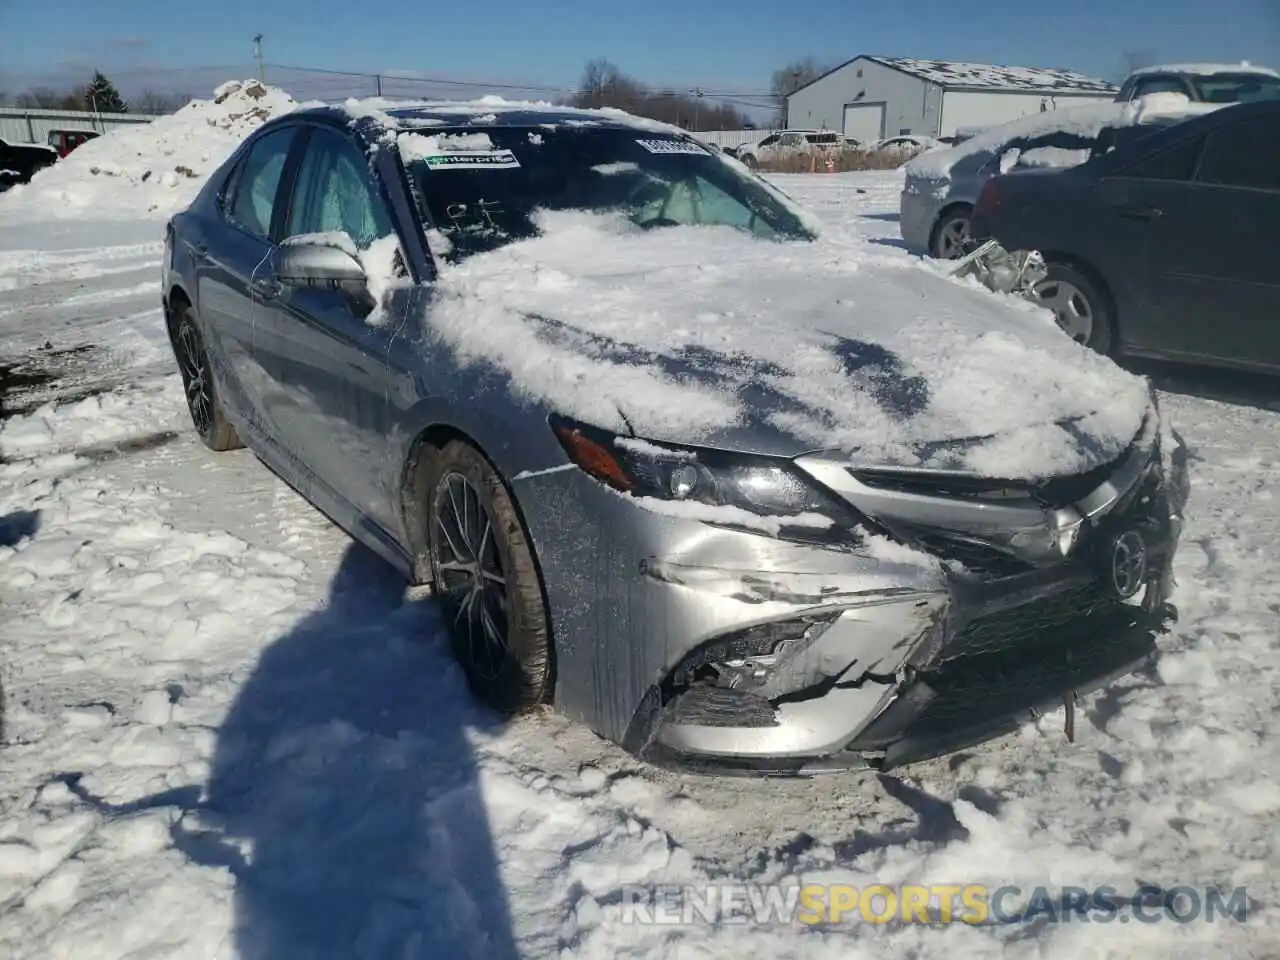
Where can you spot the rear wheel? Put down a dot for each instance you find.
(950, 234)
(487, 582)
(1079, 305)
(197, 380)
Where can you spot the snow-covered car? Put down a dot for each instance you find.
(941, 186)
(735, 493)
(1218, 83)
(904, 144)
(789, 143)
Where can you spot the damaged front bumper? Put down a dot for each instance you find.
(882, 674)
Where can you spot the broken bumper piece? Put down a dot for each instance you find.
(884, 678)
(979, 678)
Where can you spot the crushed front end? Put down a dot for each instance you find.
(1031, 595)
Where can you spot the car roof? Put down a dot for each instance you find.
(1205, 69)
(1171, 132)
(402, 116)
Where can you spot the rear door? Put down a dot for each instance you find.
(1215, 249)
(226, 252)
(1143, 215)
(325, 350)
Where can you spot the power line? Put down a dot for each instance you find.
(672, 91)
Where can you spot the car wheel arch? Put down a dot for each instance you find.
(946, 213)
(414, 499)
(1104, 287)
(176, 299)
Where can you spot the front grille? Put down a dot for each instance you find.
(1054, 492)
(1064, 491)
(1081, 608)
(977, 558)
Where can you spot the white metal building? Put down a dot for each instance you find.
(871, 98)
(22, 125)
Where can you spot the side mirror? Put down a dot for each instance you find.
(313, 260)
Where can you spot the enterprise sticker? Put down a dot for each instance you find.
(472, 160)
(673, 146)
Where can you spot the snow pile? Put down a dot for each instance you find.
(1086, 121)
(678, 332)
(148, 169)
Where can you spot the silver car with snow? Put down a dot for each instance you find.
(670, 458)
(942, 186)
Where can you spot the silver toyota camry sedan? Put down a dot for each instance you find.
(724, 483)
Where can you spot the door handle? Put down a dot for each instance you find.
(1132, 211)
(267, 287)
(201, 250)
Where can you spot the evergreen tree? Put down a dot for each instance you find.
(101, 95)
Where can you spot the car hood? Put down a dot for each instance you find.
(706, 335)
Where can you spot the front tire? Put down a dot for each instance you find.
(203, 404)
(1079, 305)
(487, 582)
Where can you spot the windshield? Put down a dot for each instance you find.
(1236, 87)
(480, 199)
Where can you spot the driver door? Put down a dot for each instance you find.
(324, 348)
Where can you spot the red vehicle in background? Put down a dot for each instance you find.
(64, 141)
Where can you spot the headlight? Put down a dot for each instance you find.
(764, 486)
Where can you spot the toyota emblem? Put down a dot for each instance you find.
(1128, 566)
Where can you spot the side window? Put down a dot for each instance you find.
(1177, 162)
(769, 141)
(1158, 85)
(1242, 155)
(253, 194)
(337, 192)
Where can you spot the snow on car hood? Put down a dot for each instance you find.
(706, 335)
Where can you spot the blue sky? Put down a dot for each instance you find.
(720, 46)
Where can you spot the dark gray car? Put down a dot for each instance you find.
(709, 483)
(1163, 247)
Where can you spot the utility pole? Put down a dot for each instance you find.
(378, 79)
(697, 107)
(257, 56)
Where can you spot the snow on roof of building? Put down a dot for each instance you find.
(949, 73)
(1205, 69)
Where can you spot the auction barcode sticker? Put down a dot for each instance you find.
(674, 146)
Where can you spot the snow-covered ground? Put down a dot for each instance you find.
(231, 733)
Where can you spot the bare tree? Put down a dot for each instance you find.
(154, 102)
(40, 98)
(603, 85)
(787, 80)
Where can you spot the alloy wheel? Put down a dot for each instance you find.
(952, 237)
(195, 376)
(1070, 307)
(471, 580)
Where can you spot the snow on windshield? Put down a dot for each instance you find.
(687, 332)
(482, 189)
